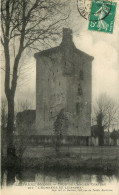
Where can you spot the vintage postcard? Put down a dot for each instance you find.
(59, 97)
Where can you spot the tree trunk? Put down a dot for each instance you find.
(10, 122)
(115, 142)
(11, 157)
(108, 136)
(100, 129)
(101, 135)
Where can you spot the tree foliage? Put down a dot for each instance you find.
(114, 134)
(61, 123)
(60, 126)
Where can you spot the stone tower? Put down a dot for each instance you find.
(64, 84)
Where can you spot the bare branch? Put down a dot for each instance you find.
(108, 108)
(2, 42)
(5, 70)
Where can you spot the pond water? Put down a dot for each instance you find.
(47, 178)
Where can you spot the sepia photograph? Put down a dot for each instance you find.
(59, 71)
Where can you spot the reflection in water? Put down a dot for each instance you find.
(4, 178)
(58, 177)
(75, 177)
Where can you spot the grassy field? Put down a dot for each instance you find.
(90, 158)
(83, 157)
(83, 152)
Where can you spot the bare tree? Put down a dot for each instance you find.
(25, 23)
(108, 109)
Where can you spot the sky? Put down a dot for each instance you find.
(103, 47)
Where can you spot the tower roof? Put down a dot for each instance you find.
(67, 41)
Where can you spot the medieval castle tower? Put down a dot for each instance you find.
(64, 86)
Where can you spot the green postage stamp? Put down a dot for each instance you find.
(102, 16)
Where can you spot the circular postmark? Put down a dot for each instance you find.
(94, 10)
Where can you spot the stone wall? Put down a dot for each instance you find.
(51, 140)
